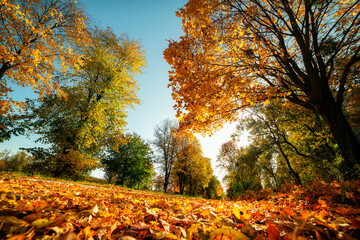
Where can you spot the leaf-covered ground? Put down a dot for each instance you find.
(41, 209)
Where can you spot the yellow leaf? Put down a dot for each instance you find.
(205, 213)
(231, 233)
(241, 213)
(188, 209)
(40, 223)
(87, 233)
(191, 230)
(236, 212)
(163, 234)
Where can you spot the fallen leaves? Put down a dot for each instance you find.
(33, 209)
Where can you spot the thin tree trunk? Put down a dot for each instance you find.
(294, 174)
(272, 175)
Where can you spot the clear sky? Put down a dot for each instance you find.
(151, 22)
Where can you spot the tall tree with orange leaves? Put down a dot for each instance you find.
(35, 36)
(236, 53)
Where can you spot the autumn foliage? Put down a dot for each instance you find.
(36, 36)
(37, 209)
(92, 115)
(235, 54)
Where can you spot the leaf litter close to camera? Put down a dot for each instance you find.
(42, 209)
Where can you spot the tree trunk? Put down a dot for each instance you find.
(295, 175)
(165, 185)
(272, 175)
(181, 187)
(343, 134)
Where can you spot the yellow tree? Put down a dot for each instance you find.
(189, 149)
(186, 152)
(93, 115)
(236, 53)
(200, 175)
(37, 35)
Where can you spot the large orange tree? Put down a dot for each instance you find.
(36, 36)
(238, 53)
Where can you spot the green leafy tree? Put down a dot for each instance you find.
(10, 126)
(286, 145)
(93, 114)
(299, 139)
(243, 172)
(188, 149)
(200, 174)
(214, 190)
(131, 163)
(18, 162)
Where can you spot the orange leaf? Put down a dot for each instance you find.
(323, 203)
(88, 233)
(205, 213)
(273, 232)
(346, 211)
(289, 211)
(223, 237)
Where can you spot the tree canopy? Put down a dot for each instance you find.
(36, 36)
(287, 145)
(93, 114)
(238, 53)
(131, 163)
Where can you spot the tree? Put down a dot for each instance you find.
(93, 114)
(18, 162)
(243, 172)
(238, 53)
(10, 126)
(286, 145)
(35, 37)
(131, 162)
(181, 165)
(188, 150)
(279, 138)
(200, 175)
(298, 138)
(192, 171)
(158, 183)
(214, 189)
(167, 146)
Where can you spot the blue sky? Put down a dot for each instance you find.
(151, 22)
